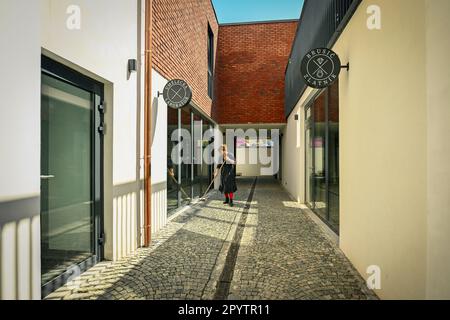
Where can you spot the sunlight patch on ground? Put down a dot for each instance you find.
(292, 204)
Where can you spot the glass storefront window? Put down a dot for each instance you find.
(309, 159)
(319, 145)
(172, 168)
(197, 141)
(207, 168)
(189, 179)
(186, 166)
(333, 155)
(322, 156)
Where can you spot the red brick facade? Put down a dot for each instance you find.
(180, 43)
(250, 71)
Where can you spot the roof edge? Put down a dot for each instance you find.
(257, 22)
(215, 12)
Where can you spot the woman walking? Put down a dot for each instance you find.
(228, 177)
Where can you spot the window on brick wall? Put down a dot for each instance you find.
(210, 62)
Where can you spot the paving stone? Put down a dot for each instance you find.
(293, 258)
(283, 255)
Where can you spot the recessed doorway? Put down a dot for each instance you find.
(71, 174)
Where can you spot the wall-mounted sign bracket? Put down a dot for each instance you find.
(177, 94)
(321, 67)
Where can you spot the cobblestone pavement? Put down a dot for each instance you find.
(281, 254)
(285, 255)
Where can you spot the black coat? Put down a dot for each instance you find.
(228, 178)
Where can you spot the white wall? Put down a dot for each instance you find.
(110, 34)
(20, 116)
(383, 130)
(159, 153)
(246, 166)
(394, 153)
(438, 97)
(293, 158)
(102, 46)
(159, 130)
(20, 92)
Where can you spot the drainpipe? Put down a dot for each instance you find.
(148, 123)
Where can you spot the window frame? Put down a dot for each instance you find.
(210, 55)
(64, 73)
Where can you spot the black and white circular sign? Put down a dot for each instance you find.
(320, 68)
(177, 94)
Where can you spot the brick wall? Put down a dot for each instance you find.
(180, 43)
(250, 69)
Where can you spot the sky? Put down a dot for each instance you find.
(231, 11)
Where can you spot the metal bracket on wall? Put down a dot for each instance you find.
(347, 66)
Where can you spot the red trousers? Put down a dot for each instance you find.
(229, 195)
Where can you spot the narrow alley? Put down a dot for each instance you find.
(264, 247)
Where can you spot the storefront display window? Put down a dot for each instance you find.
(322, 156)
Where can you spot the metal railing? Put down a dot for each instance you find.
(320, 25)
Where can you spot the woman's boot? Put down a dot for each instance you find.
(231, 203)
(227, 200)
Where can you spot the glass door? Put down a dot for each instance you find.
(322, 156)
(71, 192)
(319, 149)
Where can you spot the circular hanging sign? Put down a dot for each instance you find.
(320, 68)
(177, 94)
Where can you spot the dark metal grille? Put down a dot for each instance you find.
(320, 25)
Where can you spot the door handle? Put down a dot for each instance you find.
(47, 177)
